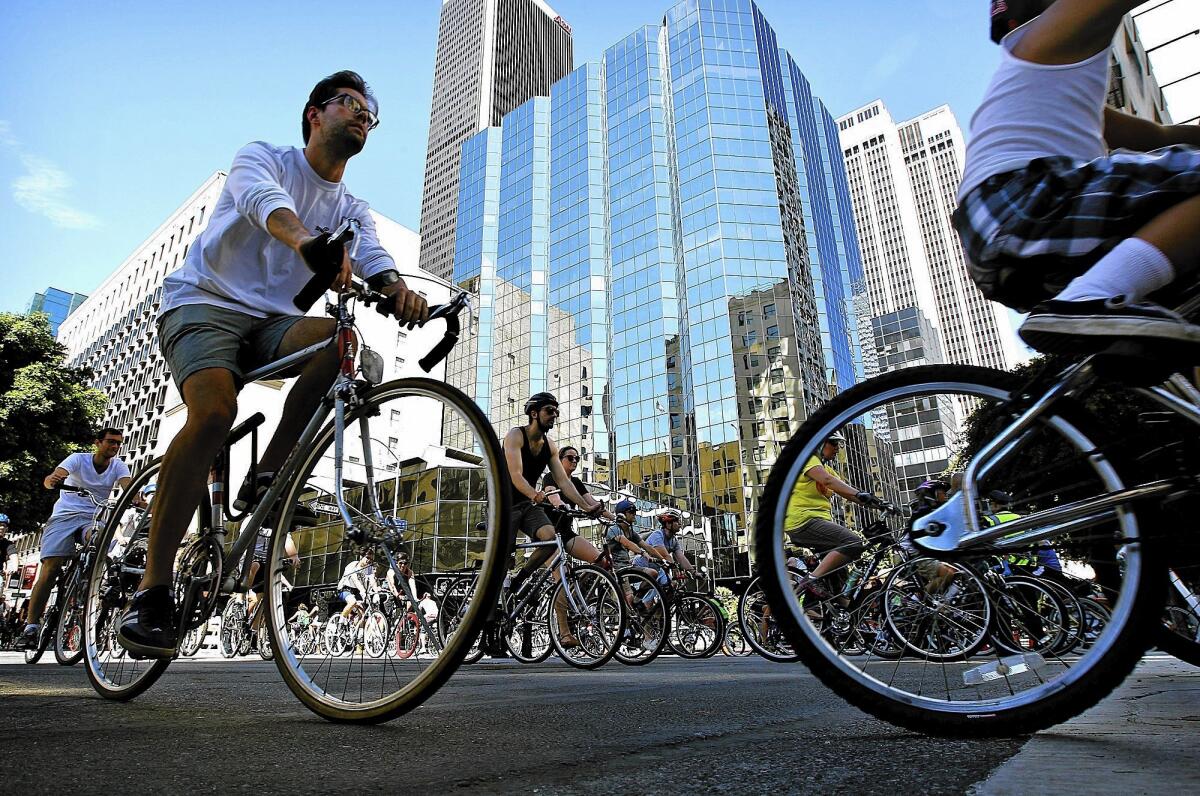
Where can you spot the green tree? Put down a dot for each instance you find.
(47, 410)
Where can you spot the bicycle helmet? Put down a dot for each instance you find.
(836, 437)
(149, 489)
(624, 506)
(3, 519)
(538, 400)
(672, 513)
(1006, 12)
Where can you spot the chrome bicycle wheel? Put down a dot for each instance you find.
(760, 627)
(649, 624)
(420, 468)
(912, 424)
(586, 627)
(111, 582)
(528, 638)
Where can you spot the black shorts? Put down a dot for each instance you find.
(529, 517)
(1027, 233)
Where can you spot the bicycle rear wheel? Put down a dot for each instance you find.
(115, 573)
(411, 440)
(528, 637)
(697, 627)
(760, 628)
(920, 422)
(68, 633)
(649, 623)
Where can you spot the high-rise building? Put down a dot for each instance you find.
(924, 308)
(666, 243)
(492, 55)
(904, 179)
(56, 304)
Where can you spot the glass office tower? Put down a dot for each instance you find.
(674, 257)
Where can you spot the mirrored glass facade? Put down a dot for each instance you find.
(674, 258)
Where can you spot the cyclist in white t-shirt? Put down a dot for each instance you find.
(97, 472)
(230, 309)
(1072, 209)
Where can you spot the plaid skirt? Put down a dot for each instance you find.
(1027, 233)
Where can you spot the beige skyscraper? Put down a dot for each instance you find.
(492, 55)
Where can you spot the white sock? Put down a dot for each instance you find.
(1133, 269)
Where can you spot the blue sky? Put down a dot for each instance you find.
(111, 114)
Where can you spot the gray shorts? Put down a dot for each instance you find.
(61, 533)
(528, 518)
(198, 336)
(825, 535)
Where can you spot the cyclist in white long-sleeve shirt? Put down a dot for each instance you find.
(229, 309)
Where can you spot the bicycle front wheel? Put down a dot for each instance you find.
(116, 570)
(587, 623)
(418, 469)
(909, 425)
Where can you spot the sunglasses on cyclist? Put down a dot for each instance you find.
(571, 459)
(352, 104)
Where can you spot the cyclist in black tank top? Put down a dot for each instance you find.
(532, 464)
(529, 452)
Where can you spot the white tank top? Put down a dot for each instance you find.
(1032, 111)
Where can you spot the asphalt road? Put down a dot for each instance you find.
(719, 725)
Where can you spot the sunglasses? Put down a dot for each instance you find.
(571, 459)
(356, 108)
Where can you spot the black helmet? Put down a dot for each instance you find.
(538, 400)
(1018, 11)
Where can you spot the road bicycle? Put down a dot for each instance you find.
(62, 622)
(573, 609)
(1051, 440)
(361, 475)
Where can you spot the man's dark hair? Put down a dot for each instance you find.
(562, 452)
(104, 432)
(327, 89)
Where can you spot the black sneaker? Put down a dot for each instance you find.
(1087, 327)
(148, 627)
(31, 637)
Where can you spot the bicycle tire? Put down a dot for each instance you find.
(1174, 643)
(735, 645)
(598, 630)
(1049, 602)
(68, 630)
(193, 640)
(111, 582)
(751, 620)
(33, 655)
(487, 459)
(681, 632)
(535, 621)
(1101, 668)
(651, 621)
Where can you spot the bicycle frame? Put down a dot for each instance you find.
(955, 526)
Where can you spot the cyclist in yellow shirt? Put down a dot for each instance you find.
(809, 520)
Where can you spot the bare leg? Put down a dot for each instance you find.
(829, 563)
(308, 391)
(211, 398)
(1176, 233)
(41, 589)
